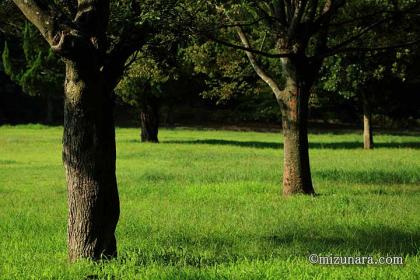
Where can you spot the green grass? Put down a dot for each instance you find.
(206, 204)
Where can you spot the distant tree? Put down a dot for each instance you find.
(142, 87)
(362, 76)
(156, 76)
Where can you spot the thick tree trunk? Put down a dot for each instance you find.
(89, 136)
(89, 160)
(367, 124)
(294, 106)
(149, 118)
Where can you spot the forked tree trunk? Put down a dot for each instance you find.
(293, 99)
(296, 172)
(89, 160)
(367, 124)
(149, 118)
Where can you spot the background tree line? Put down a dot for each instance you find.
(215, 84)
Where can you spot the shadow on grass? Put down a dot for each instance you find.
(313, 145)
(210, 251)
(380, 240)
(390, 192)
(374, 177)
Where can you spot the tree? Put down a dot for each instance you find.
(39, 73)
(363, 77)
(141, 87)
(94, 50)
(301, 34)
(156, 74)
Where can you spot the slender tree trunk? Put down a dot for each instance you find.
(149, 118)
(296, 172)
(367, 124)
(293, 100)
(89, 160)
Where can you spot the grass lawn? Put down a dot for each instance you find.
(206, 204)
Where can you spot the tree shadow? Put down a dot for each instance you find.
(199, 252)
(219, 142)
(369, 240)
(386, 192)
(312, 145)
(376, 177)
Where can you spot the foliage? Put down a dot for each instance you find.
(227, 71)
(7, 66)
(35, 67)
(143, 78)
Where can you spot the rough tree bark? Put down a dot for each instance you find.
(367, 123)
(89, 160)
(89, 136)
(149, 121)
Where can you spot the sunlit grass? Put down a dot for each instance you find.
(206, 204)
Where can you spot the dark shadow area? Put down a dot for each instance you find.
(313, 145)
(356, 130)
(245, 144)
(214, 250)
(376, 177)
(359, 145)
(367, 241)
(386, 192)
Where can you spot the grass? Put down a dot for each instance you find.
(206, 204)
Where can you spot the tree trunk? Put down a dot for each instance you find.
(367, 124)
(89, 134)
(149, 118)
(89, 160)
(294, 107)
(296, 172)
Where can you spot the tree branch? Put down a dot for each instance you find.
(297, 17)
(251, 50)
(358, 35)
(131, 40)
(260, 72)
(329, 9)
(383, 48)
(43, 17)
